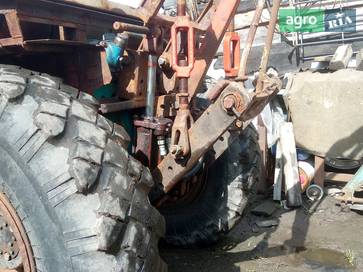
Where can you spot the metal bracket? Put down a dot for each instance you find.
(210, 126)
(180, 137)
(182, 25)
(231, 54)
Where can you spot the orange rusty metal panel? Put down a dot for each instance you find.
(231, 55)
(216, 20)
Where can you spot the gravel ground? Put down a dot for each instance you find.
(330, 239)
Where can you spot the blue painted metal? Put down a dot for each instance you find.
(124, 118)
(115, 50)
(113, 54)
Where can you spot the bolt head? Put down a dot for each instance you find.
(228, 102)
(239, 123)
(161, 61)
(176, 151)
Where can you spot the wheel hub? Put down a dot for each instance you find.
(15, 249)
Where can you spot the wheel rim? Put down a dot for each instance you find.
(15, 250)
(175, 200)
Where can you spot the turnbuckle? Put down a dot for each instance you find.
(183, 25)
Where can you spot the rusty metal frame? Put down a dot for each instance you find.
(13, 25)
(213, 123)
(215, 22)
(250, 38)
(231, 108)
(210, 29)
(68, 14)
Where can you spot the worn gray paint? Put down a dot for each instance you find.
(327, 112)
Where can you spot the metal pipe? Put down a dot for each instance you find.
(181, 8)
(268, 44)
(151, 85)
(250, 38)
(326, 55)
(231, 26)
(120, 26)
(183, 87)
(123, 105)
(348, 39)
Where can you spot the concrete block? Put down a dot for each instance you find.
(341, 57)
(326, 110)
(359, 60)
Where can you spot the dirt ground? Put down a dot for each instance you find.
(328, 239)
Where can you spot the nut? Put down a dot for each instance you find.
(229, 102)
(176, 151)
(239, 123)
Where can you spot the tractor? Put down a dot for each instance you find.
(110, 139)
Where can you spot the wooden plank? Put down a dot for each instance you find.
(319, 171)
(262, 141)
(278, 173)
(62, 34)
(338, 177)
(291, 172)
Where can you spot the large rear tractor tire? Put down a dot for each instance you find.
(72, 198)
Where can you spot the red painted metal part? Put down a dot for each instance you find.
(214, 24)
(220, 19)
(231, 54)
(147, 129)
(183, 25)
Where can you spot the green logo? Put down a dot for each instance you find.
(301, 20)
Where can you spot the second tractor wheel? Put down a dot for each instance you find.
(224, 190)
